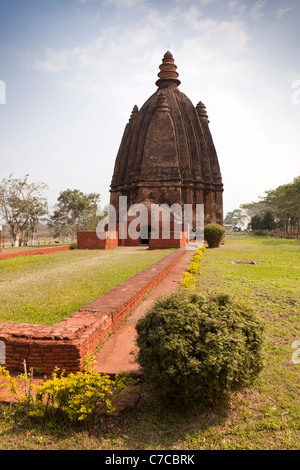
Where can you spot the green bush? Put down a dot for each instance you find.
(213, 234)
(198, 348)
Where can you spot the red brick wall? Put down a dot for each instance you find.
(90, 241)
(171, 242)
(66, 344)
(35, 251)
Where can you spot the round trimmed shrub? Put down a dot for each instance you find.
(198, 348)
(214, 234)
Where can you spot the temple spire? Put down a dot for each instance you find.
(168, 75)
(201, 109)
(134, 113)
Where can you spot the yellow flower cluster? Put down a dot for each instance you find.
(7, 382)
(14, 386)
(189, 277)
(77, 395)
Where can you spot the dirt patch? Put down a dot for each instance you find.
(245, 262)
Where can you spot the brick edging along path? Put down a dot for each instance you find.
(66, 344)
(35, 251)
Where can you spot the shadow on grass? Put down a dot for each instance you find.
(142, 423)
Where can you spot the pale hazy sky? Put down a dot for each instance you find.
(74, 69)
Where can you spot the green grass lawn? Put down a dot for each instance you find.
(266, 416)
(13, 249)
(44, 289)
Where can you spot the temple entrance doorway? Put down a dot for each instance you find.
(145, 233)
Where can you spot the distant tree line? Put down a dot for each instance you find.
(23, 205)
(278, 210)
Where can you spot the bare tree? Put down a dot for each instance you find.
(21, 205)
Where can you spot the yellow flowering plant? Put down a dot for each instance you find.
(7, 382)
(20, 387)
(189, 281)
(189, 277)
(79, 394)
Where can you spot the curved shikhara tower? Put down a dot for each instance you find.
(167, 154)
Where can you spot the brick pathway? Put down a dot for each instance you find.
(118, 352)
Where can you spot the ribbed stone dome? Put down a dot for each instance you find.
(167, 154)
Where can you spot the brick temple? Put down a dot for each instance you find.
(166, 156)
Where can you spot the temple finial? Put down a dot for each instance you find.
(168, 75)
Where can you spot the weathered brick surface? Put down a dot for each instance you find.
(171, 241)
(90, 241)
(167, 154)
(67, 343)
(35, 251)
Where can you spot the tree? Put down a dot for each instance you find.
(37, 208)
(268, 221)
(235, 218)
(254, 208)
(255, 222)
(264, 222)
(21, 205)
(284, 202)
(73, 212)
(279, 208)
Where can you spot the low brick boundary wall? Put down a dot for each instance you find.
(90, 241)
(66, 344)
(35, 251)
(171, 241)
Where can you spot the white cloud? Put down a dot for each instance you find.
(126, 3)
(206, 2)
(162, 22)
(256, 11)
(115, 67)
(233, 4)
(218, 48)
(54, 61)
(192, 17)
(199, 2)
(117, 3)
(281, 11)
(237, 7)
(226, 39)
